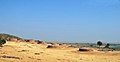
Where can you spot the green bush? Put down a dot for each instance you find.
(2, 41)
(99, 43)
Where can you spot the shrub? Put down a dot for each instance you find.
(49, 46)
(2, 41)
(85, 49)
(99, 43)
(107, 46)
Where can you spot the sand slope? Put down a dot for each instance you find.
(26, 52)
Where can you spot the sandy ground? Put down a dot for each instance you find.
(26, 52)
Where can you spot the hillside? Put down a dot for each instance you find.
(8, 36)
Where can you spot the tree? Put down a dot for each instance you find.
(99, 43)
(2, 41)
(107, 45)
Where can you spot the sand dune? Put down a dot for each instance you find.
(26, 52)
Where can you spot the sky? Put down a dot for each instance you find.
(62, 20)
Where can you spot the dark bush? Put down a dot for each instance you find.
(39, 42)
(2, 41)
(52, 46)
(107, 46)
(99, 43)
(49, 46)
(84, 49)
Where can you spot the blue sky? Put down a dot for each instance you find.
(62, 20)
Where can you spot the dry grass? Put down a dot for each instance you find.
(27, 52)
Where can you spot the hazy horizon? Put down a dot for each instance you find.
(62, 20)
